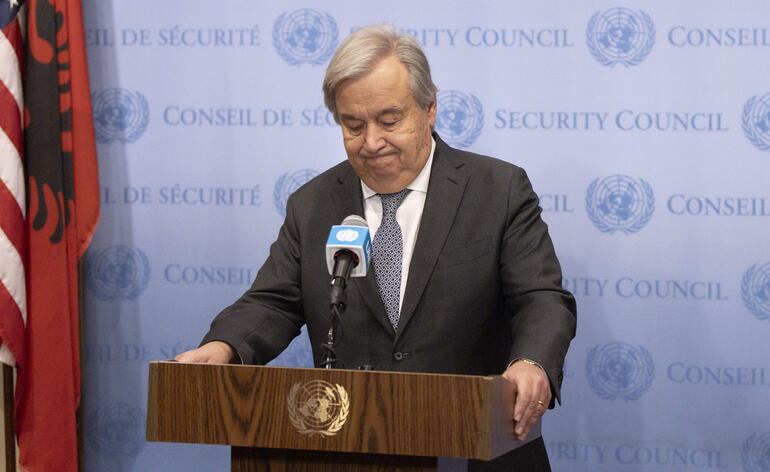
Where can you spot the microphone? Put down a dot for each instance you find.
(349, 248)
(348, 251)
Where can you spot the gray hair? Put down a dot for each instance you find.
(360, 52)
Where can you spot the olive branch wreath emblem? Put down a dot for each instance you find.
(748, 299)
(641, 54)
(641, 219)
(328, 430)
(748, 127)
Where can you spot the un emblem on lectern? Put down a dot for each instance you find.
(318, 407)
(620, 36)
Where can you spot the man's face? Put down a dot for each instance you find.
(386, 133)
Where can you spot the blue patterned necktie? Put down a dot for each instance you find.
(387, 251)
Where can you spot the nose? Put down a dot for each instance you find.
(374, 140)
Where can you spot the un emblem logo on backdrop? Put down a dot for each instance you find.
(620, 36)
(619, 370)
(305, 36)
(756, 121)
(116, 429)
(118, 272)
(620, 203)
(755, 290)
(288, 184)
(120, 115)
(756, 453)
(460, 117)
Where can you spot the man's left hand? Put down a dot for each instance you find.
(531, 395)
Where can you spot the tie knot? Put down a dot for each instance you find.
(391, 201)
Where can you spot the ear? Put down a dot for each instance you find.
(431, 110)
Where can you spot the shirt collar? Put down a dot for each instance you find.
(419, 184)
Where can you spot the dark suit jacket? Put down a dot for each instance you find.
(484, 283)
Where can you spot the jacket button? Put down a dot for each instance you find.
(398, 356)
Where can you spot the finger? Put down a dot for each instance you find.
(542, 398)
(537, 414)
(522, 427)
(525, 402)
(545, 397)
(529, 419)
(540, 406)
(536, 407)
(521, 397)
(194, 356)
(523, 435)
(522, 430)
(186, 356)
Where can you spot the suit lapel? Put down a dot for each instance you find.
(445, 191)
(349, 201)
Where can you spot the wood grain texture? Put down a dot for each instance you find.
(248, 459)
(392, 413)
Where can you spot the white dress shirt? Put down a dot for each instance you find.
(408, 214)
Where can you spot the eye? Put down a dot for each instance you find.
(354, 126)
(389, 122)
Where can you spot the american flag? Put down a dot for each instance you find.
(13, 298)
(48, 213)
(58, 162)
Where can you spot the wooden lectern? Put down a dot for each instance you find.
(289, 419)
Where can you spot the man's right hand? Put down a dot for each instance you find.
(214, 352)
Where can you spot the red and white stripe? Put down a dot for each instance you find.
(13, 298)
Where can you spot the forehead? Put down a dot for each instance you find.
(387, 86)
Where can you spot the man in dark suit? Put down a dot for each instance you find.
(464, 277)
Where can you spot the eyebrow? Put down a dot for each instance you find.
(385, 111)
(391, 110)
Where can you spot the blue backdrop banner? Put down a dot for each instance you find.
(644, 127)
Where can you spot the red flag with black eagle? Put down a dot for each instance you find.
(62, 212)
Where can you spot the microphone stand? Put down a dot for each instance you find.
(337, 299)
